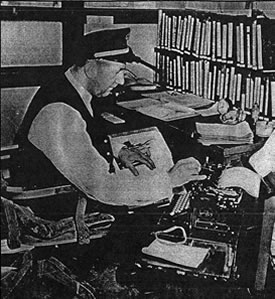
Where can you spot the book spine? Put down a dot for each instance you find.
(242, 44)
(191, 33)
(183, 77)
(187, 68)
(259, 47)
(179, 32)
(214, 40)
(159, 29)
(230, 42)
(238, 44)
(184, 34)
(247, 94)
(213, 97)
(231, 84)
(210, 76)
(205, 79)
(226, 83)
(197, 87)
(261, 96)
(254, 45)
(174, 32)
(202, 41)
(267, 91)
(224, 43)
(248, 46)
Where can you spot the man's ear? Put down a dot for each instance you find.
(90, 68)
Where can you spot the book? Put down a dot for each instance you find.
(209, 39)
(214, 40)
(247, 94)
(184, 34)
(169, 32)
(205, 79)
(214, 85)
(219, 41)
(254, 45)
(248, 46)
(197, 37)
(202, 41)
(174, 32)
(226, 82)
(238, 88)
(179, 32)
(230, 43)
(259, 47)
(231, 84)
(238, 44)
(210, 76)
(266, 103)
(159, 28)
(224, 42)
(261, 97)
(190, 38)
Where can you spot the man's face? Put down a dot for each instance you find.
(106, 76)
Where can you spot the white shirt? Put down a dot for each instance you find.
(60, 133)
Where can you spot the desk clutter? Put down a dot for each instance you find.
(200, 230)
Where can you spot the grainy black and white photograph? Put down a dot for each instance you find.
(138, 149)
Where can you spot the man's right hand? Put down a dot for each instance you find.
(128, 156)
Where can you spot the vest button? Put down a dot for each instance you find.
(108, 154)
(105, 141)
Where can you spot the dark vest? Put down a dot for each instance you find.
(34, 168)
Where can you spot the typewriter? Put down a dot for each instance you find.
(211, 218)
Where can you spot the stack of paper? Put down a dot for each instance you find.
(179, 254)
(224, 134)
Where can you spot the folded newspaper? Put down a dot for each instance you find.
(224, 134)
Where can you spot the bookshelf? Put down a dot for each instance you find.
(218, 56)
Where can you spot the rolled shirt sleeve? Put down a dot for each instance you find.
(60, 133)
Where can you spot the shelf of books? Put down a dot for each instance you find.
(218, 56)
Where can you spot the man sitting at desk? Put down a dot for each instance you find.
(61, 134)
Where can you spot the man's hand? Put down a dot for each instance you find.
(184, 171)
(128, 156)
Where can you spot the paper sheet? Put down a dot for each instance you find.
(163, 110)
(187, 100)
(263, 161)
(150, 185)
(243, 178)
(179, 254)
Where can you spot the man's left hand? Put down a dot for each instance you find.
(128, 156)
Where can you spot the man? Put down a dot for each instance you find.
(61, 134)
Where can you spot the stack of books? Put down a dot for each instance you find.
(224, 134)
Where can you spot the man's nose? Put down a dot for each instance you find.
(120, 78)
